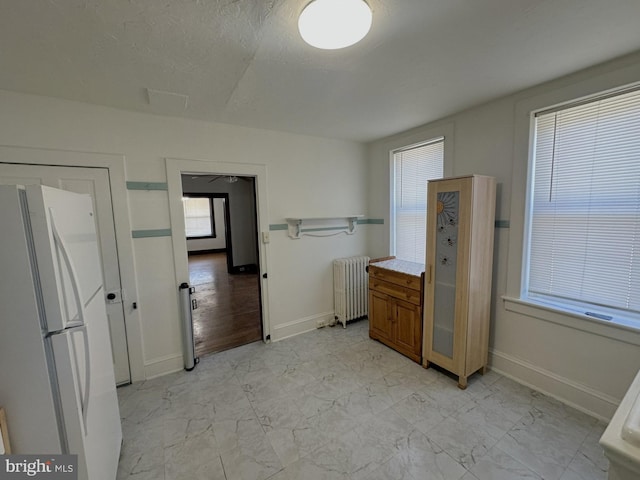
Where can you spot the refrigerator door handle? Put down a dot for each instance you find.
(72, 272)
(87, 375)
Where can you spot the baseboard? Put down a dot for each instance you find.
(302, 325)
(249, 268)
(583, 398)
(163, 366)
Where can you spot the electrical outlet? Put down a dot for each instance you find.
(265, 237)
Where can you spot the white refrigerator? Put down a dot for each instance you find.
(56, 367)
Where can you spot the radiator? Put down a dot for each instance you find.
(350, 288)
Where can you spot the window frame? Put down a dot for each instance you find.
(431, 141)
(415, 138)
(515, 298)
(211, 210)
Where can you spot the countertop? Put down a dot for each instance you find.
(402, 266)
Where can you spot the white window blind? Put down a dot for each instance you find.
(584, 245)
(412, 168)
(198, 216)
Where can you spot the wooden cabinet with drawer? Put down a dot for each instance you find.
(395, 305)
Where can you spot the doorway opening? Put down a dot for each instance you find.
(223, 257)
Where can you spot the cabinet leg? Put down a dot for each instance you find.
(483, 370)
(425, 364)
(462, 383)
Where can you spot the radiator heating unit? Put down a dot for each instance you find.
(350, 288)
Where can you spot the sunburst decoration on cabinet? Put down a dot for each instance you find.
(447, 209)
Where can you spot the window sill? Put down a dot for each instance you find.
(609, 329)
(204, 237)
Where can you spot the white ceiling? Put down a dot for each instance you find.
(243, 62)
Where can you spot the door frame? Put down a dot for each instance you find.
(115, 165)
(227, 228)
(176, 167)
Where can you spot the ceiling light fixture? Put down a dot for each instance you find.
(334, 24)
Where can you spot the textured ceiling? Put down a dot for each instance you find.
(243, 62)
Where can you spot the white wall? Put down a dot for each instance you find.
(590, 369)
(307, 176)
(218, 242)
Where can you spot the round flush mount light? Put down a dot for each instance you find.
(334, 24)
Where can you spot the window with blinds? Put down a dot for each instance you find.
(584, 218)
(198, 217)
(413, 166)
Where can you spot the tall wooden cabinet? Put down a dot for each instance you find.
(458, 272)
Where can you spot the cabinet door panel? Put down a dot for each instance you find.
(380, 316)
(408, 327)
(446, 246)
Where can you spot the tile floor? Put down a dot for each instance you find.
(333, 404)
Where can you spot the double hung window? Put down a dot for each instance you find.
(413, 166)
(583, 222)
(198, 216)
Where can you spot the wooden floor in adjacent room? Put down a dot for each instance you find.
(228, 313)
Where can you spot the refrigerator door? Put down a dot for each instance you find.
(25, 381)
(86, 387)
(66, 249)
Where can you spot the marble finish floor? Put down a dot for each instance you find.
(333, 404)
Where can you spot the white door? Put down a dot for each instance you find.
(66, 245)
(95, 182)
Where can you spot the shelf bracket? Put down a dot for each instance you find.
(353, 221)
(297, 228)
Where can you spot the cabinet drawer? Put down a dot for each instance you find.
(403, 293)
(391, 276)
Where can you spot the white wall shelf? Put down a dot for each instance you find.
(322, 226)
